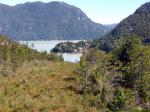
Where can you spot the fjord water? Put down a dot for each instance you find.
(48, 45)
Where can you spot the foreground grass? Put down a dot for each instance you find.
(41, 87)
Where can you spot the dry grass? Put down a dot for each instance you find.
(41, 87)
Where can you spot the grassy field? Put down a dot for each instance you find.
(42, 87)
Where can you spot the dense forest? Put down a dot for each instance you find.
(136, 24)
(118, 81)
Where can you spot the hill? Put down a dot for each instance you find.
(137, 24)
(47, 21)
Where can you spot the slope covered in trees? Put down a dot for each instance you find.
(47, 21)
(137, 24)
(12, 55)
(118, 81)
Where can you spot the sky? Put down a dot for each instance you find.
(100, 11)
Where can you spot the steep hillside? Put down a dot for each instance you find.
(137, 24)
(47, 21)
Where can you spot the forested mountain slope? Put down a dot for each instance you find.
(137, 24)
(47, 21)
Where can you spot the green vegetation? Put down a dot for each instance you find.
(12, 55)
(107, 82)
(71, 47)
(117, 81)
(41, 86)
(93, 82)
(49, 23)
(136, 24)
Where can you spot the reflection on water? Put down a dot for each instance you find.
(72, 57)
(48, 45)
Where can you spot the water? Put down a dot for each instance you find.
(48, 45)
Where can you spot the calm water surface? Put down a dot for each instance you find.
(48, 45)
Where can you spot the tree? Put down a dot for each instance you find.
(118, 102)
(133, 60)
(93, 79)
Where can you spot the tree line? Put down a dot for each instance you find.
(12, 55)
(118, 81)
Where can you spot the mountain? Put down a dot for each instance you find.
(111, 26)
(137, 24)
(47, 21)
